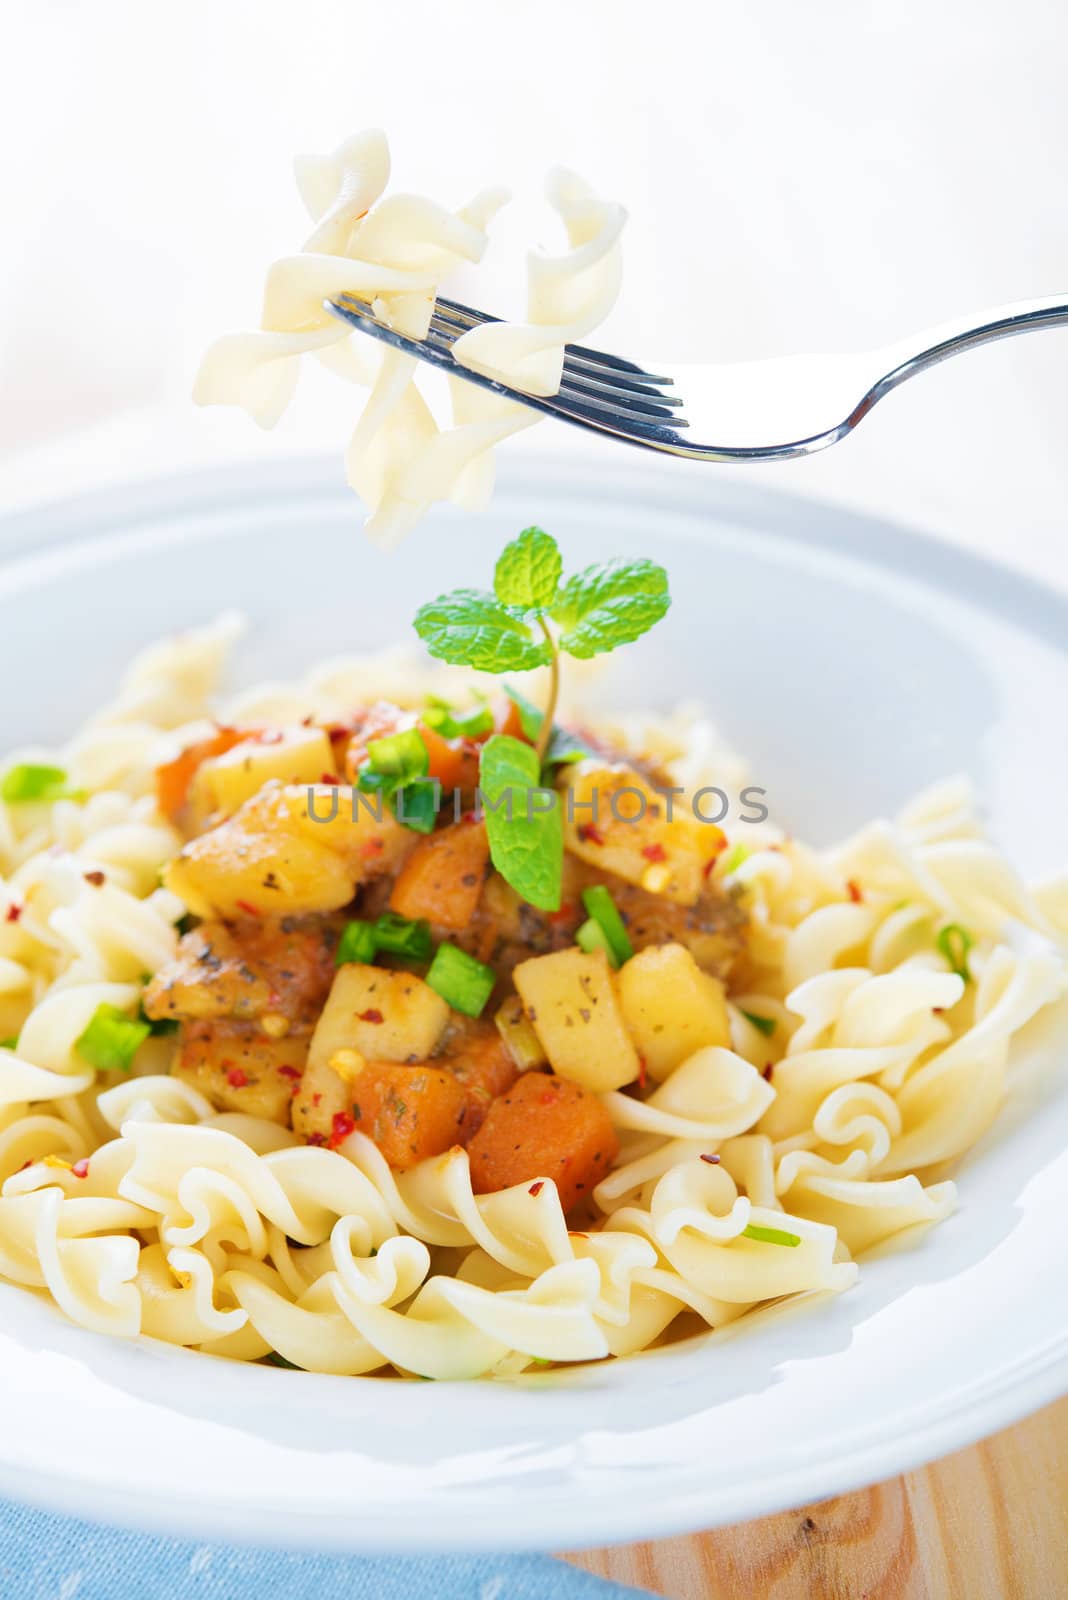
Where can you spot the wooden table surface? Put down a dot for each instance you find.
(990, 1521)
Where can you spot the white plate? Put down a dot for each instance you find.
(854, 662)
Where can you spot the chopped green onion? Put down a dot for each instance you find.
(401, 936)
(540, 1361)
(765, 1024)
(591, 936)
(461, 980)
(735, 856)
(603, 909)
(451, 724)
(370, 782)
(399, 755)
(10, 1044)
(31, 781)
(112, 1039)
(954, 942)
(159, 1027)
(357, 943)
(771, 1235)
(280, 1361)
(416, 804)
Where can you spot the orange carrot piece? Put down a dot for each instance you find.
(453, 762)
(485, 1067)
(544, 1127)
(174, 777)
(442, 878)
(410, 1112)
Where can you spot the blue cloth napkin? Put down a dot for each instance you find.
(58, 1558)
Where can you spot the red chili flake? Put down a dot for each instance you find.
(654, 852)
(307, 721)
(337, 730)
(97, 879)
(80, 1168)
(289, 1072)
(13, 913)
(713, 1161)
(249, 910)
(643, 1076)
(237, 1078)
(565, 914)
(548, 1098)
(938, 1010)
(469, 816)
(536, 1188)
(769, 1068)
(329, 777)
(706, 870)
(371, 1015)
(372, 847)
(316, 1138)
(855, 892)
(343, 1124)
(316, 1099)
(589, 833)
(26, 1164)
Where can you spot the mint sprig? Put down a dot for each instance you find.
(603, 606)
(533, 615)
(528, 571)
(526, 840)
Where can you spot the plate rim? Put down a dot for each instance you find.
(1013, 1392)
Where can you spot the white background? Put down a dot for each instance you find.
(827, 175)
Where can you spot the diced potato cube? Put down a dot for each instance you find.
(671, 1007)
(280, 856)
(296, 756)
(258, 864)
(384, 1016)
(571, 1001)
(617, 821)
(239, 1070)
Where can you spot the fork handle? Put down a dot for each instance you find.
(924, 350)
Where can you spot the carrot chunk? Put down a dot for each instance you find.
(410, 1112)
(442, 878)
(453, 762)
(174, 777)
(485, 1067)
(544, 1127)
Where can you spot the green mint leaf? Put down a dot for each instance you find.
(564, 746)
(526, 836)
(470, 628)
(528, 572)
(610, 604)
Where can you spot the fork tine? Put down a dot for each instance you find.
(577, 380)
(603, 415)
(581, 355)
(620, 403)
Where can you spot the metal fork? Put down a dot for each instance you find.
(757, 411)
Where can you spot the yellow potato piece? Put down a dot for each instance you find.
(571, 1002)
(275, 857)
(384, 1016)
(671, 1007)
(616, 820)
(296, 756)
